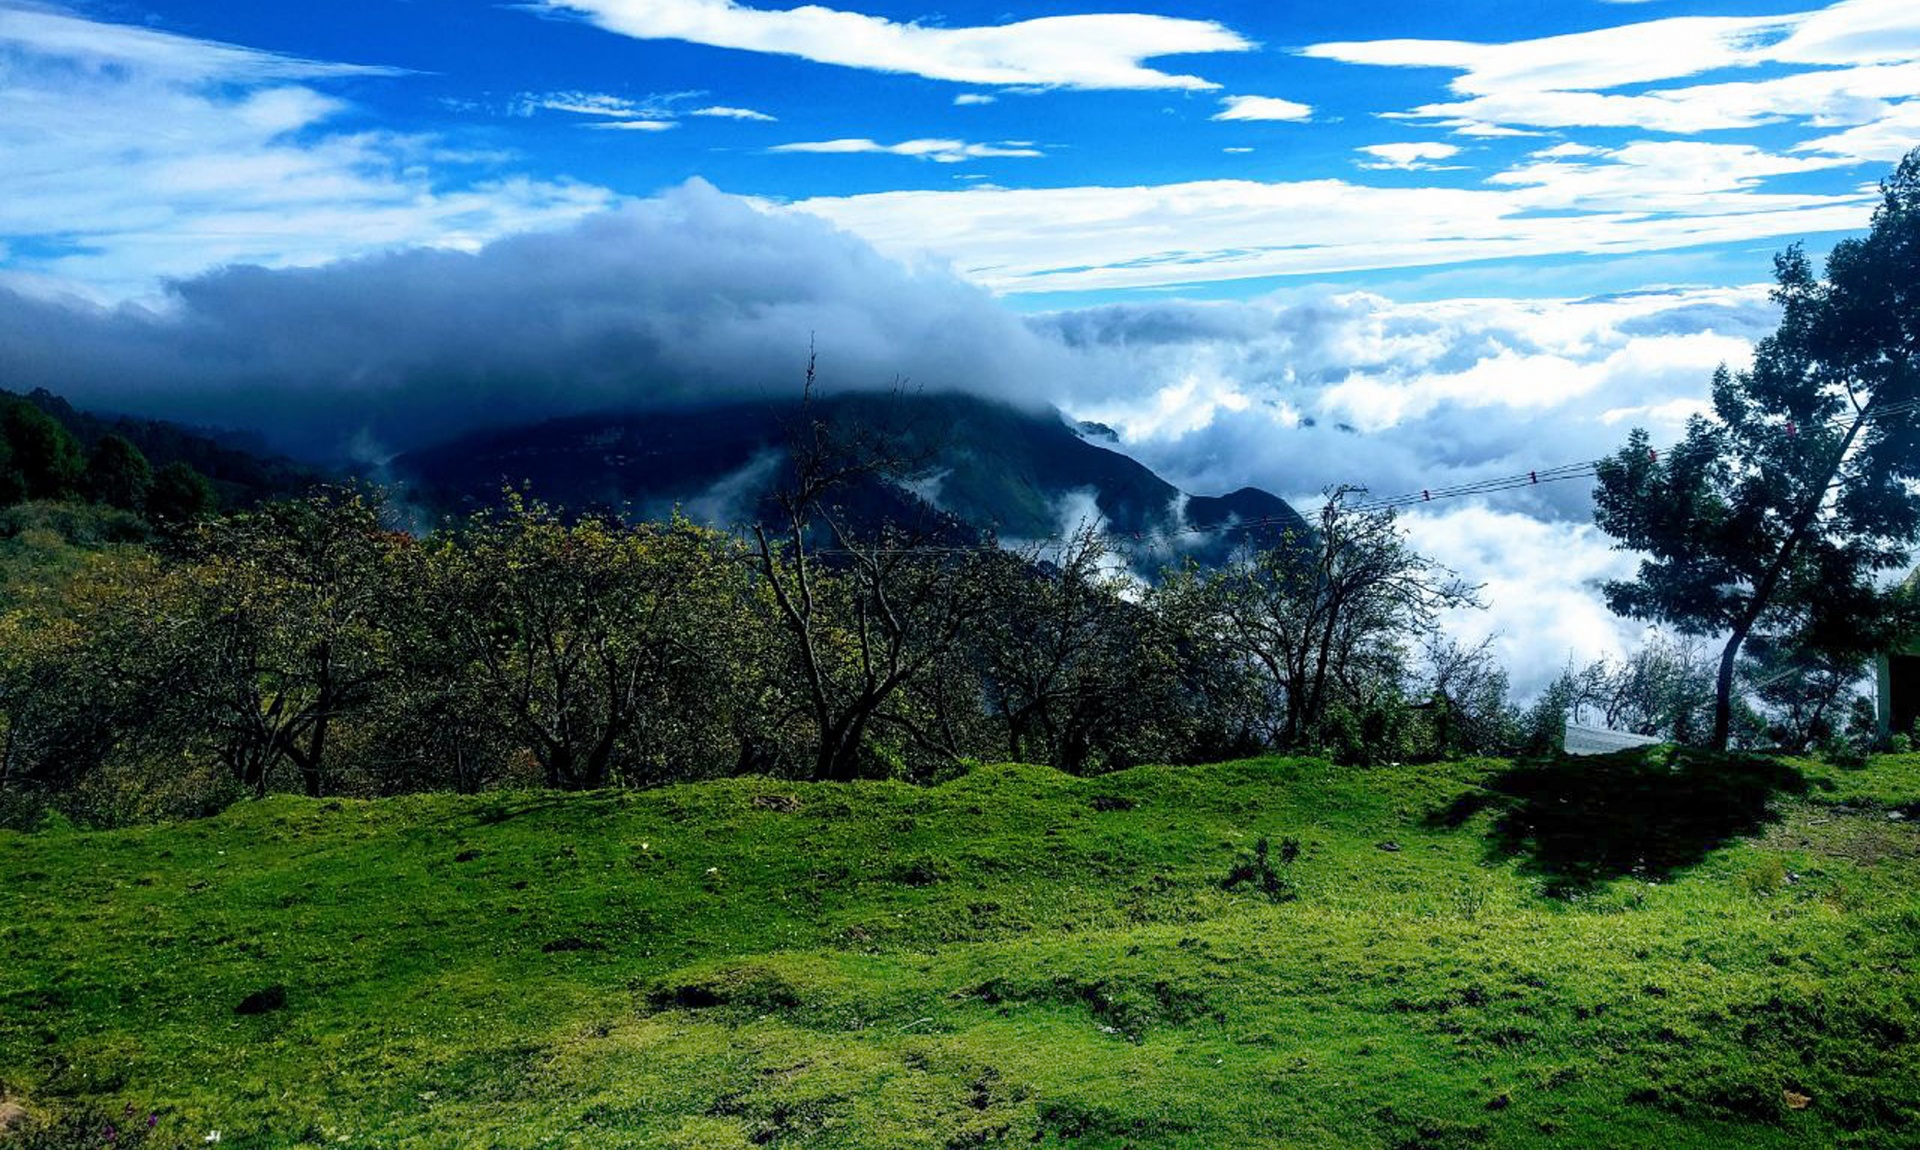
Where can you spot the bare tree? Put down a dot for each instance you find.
(866, 611)
(1330, 615)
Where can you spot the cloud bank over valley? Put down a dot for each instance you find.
(696, 297)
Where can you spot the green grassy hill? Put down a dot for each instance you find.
(1014, 957)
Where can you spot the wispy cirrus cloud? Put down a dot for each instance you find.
(653, 113)
(938, 151)
(252, 161)
(1411, 157)
(722, 112)
(1101, 51)
(1094, 238)
(1847, 64)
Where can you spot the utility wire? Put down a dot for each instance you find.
(1119, 541)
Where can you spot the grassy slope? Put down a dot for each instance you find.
(994, 959)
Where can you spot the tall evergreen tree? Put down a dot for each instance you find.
(1777, 516)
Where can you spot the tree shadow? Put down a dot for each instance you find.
(1651, 811)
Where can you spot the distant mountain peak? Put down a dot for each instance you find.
(983, 467)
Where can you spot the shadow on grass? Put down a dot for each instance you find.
(1581, 821)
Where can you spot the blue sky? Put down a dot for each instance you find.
(1405, 245)
(1560, 132)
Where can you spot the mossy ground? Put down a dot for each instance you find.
(1015, 956)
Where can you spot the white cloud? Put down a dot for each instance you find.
(654, 113)
(1639, 53)
(636, 125)
(1846, 62)
(726, 113)
(1262, 108)
(939, 151)
(1540, 581)
(132, 154)
(1887, 139)
(1087, 238)
(1407, 157)
(160, 56)
(973, 99)
(1823, 98)
(1476, 129)
(587, 104)
(1671, 175)
(1090, 51)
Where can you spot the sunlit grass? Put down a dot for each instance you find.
(1002, 958)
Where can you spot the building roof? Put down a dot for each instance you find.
(1600, 741)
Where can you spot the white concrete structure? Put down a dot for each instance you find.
(1599, 741)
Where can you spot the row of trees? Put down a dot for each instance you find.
(41, 460)
(307, 644)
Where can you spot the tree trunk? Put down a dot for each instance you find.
(1723, 688)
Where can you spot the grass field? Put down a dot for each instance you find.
(1439, 956)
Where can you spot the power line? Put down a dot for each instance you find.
(1561, 473)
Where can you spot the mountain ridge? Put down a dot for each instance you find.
(992, 468)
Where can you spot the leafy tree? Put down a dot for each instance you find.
(1776, 516)
(117, 474)
(1804, 697)
(1664, 689)
(69, 686)
(1075, 671)
(278, 627)
(45, 457)
(609, 650)
(1326, 620)
(1467, 706)
(180, 495)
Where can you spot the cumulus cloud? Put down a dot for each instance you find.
(696, 296)
(1105, 51)
(1262, 108)
(1355, 388)
(1541, 582)
(691, 296)
(939, 151)
(251, 164)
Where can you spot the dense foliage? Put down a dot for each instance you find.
(1778, 518)
(307, 644)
